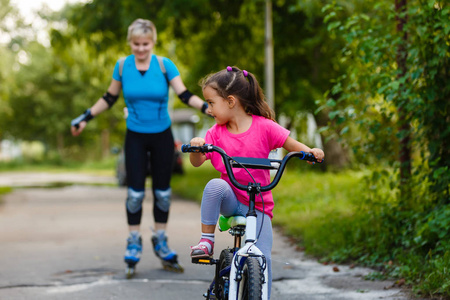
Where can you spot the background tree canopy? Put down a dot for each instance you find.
(373, 73)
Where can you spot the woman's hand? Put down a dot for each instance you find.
(77, 131)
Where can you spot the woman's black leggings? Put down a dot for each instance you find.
(137, 149)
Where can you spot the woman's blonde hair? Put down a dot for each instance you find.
(141, 27)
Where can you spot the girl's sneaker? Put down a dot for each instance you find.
(134, 249)
(202, 249)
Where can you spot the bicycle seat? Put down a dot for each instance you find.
(226, 223)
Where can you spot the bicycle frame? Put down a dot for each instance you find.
(249, 249)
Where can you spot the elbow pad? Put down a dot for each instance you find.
(110, 99)
(185, 96)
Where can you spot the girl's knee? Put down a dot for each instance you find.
(216, 183)
(216, 187)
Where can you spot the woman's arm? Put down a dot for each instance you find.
(179, 87)
(100, 106)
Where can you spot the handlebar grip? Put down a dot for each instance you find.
(309, 157)
(185, 148)
(188, 148)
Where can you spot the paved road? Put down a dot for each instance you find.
(68, 243)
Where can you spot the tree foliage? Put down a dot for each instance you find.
(367, 102)
(336, 59)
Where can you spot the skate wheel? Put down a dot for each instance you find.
(129, 272)
(173, 267)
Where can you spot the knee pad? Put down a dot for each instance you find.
(134, 200)
(162, 199)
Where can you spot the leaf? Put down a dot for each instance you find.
(365, 17)
(329, 16)
(333, 25)
(333, 114)
(344, 130)
(331, 103)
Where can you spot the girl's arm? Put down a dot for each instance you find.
(292, 145)
(197, 159)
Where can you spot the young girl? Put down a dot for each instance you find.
(245, 126)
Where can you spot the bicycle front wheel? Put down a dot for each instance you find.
(250, 287)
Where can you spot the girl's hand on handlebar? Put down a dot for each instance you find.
(197, 159)
(318, 154)
(197, 141)
(77, 130)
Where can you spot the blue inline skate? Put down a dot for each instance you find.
(168, 257)
(133, 253)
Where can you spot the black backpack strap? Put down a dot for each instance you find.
(162, 67)
(121, 62)
(160, 61)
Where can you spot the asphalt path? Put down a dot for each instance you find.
(67, 242)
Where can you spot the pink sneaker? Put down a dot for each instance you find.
(201, 250)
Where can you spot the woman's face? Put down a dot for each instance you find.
(141, 47)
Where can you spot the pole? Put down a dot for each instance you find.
(269, 65)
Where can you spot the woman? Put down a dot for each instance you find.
(145, 86)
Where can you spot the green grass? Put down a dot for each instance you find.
(316, 208)
(4, 191)
(330, 215)
(100, 167)
(190, 185)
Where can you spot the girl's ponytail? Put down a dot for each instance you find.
(257, 104)
(243, 85)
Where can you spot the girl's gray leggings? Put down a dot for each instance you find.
(219, 198)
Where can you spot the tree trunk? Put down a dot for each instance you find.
(60, 143)
(105, 142)
(404, 126)
(336, 156)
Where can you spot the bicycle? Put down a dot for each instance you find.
(241, 271)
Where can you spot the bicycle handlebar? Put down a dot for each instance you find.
(250, 162)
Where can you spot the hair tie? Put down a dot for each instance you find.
(229, 69)
(245, 73)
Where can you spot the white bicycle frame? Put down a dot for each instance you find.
(249, 249)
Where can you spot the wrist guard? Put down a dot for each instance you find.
(110, 99)
(204, 107)
(185, 96)
(86, 116)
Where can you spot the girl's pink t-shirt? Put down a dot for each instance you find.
(263, 136)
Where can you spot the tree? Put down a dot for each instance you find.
(204, 36)
(9, 20)
(396, 92)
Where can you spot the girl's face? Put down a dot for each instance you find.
(141, 47)
(217, 106)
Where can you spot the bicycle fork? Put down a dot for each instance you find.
(239, 258)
